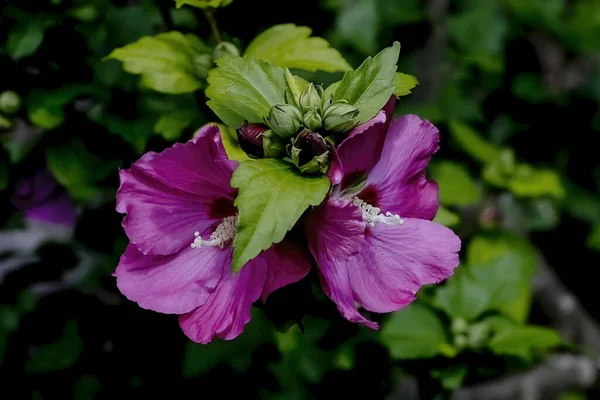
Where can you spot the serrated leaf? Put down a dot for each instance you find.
(404, 83)
(203, 3)
(370, 86)
(457, 187)
(244, 89)
(272, 197)
(291, 46)
(415, 332)
(446, 217)
(521, 341)
(165, 61)
(472, 142)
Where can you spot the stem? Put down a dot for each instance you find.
(210, 16)
(165, 14)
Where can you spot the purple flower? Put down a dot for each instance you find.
(40, 198)
(181, 222)
(373, 238)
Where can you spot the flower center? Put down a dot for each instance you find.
(223, 234)
(372, 215)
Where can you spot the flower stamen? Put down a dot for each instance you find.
(222, 235)
(372, 215)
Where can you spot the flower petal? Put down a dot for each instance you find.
(397, 183)
(335, 233)
(357, 154)
(287, 263)
(170, 195)
(227, 310)
(172, 284)
(397, 260)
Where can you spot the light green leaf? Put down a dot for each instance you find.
(463, 296)
(297, 86)
(457, 188)
(57, 356)
(404, 83)
(165, 61)
(521, 341)
(370, 86)
(530, 182)
(446, 217)
(472, 142)
(288, 45)
(415, 332)
(45, 107)
(272, 197)
(231, 144)
(170, 126)
(203, 3)
(245, 88)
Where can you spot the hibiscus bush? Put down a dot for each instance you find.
(299, 200)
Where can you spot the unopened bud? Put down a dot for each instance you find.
(339, 117)
(250, 137)
(285, 120)
(225, 49)
(312, 120)
(10, 102)
(311, 153)
(273, 146)
(310, 99)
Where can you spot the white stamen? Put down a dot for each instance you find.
(223, 234)
(372, 215)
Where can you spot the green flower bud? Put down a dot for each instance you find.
(225, 49)
(10, 102)
(285, 120)
(311, 153)
(202, 64)
(339, 117)
(312, 120)
(273, 146)
(310, 99)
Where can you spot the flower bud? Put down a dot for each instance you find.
(339, 117)
(311, 153)
(250, 137)
(310, 99)
(284, 120)
(10, 102)
(225, 49)
(202, 64)
(273, 146)
(312, 120)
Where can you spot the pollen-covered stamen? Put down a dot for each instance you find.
(221, 236)
(372, 215)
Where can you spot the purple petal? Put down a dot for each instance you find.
(336, 232)
(397, 183)
(172, 284)
(58, 210)
(356, 155)
(170, 195)
(287, 262)
(227, 310)
(397, 260)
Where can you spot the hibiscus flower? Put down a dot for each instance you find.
(373, 238)
(181, 222)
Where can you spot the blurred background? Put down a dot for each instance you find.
(513, 86)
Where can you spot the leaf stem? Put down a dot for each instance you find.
(210, 16)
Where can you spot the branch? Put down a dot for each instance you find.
(562, 372)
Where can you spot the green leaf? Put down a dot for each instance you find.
(3, 176)
(231, 144)
(415, 332)
(521, 341)
(20, 140)
(45, 107)
(370, 86)
(539, 13)
(245, 88)
(452, 377)
(57, 356)
(203, 3)
(357, 24)
(288, 45)
(530, 182)
(272, 197)
(404, 83)
(165, 61)
(593, 239)
(77, 169)
(472, 142)
(27, 36)
(457, 188)
(170, 126)
(463, 296)
(446, 217)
